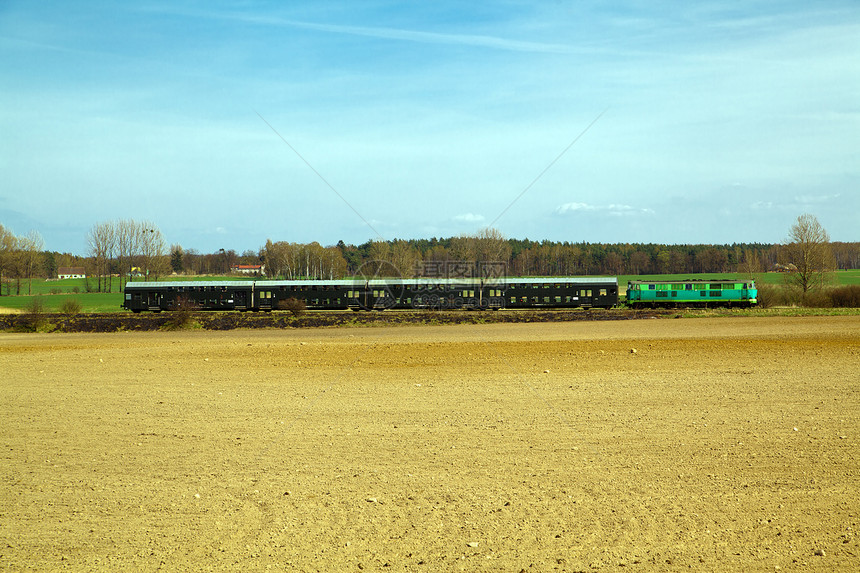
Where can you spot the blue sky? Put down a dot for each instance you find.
(716, 122)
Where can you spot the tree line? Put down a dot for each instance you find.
(20, 258)
(126, 248)
(130, 249)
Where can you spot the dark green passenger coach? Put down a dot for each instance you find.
(374, 294)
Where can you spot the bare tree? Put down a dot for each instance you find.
(152, 249)
(334, 264)
(31, 246)
(8, 244)
(491, 246)
(808, 249)
(281, 259)
(463, 248)
(101, 241)
(126, 246)
(191, 260)
(404, 257)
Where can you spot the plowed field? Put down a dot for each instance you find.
(648, 445)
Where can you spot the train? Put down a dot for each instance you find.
(435, 293)
(691, 293)
(374, 294)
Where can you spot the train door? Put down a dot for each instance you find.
(153, 300)
(240, 299)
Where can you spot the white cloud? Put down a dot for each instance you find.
(613, 209)
(469, 218)
(804, 199)
(762, 205)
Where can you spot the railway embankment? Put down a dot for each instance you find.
(121, 322)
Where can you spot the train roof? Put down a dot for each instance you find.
(558, 280)
(691, 281)
(165, 284)
(375, 282)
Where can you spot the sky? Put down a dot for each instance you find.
(227, 124)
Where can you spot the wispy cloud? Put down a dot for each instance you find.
(389, 33)
(613, 210)
(816, 199)
(469, 218)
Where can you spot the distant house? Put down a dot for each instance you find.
(71, 273)
(248, 269)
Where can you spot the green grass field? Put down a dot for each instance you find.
(90, 301)
(53, 293)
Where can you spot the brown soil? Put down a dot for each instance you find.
(711, 444)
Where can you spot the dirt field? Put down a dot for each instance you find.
(649, 445)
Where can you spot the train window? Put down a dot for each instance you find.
(546, 299)
(652, 286)
(558, 299)
(603, 292)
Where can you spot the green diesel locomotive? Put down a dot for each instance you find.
(691, 293)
